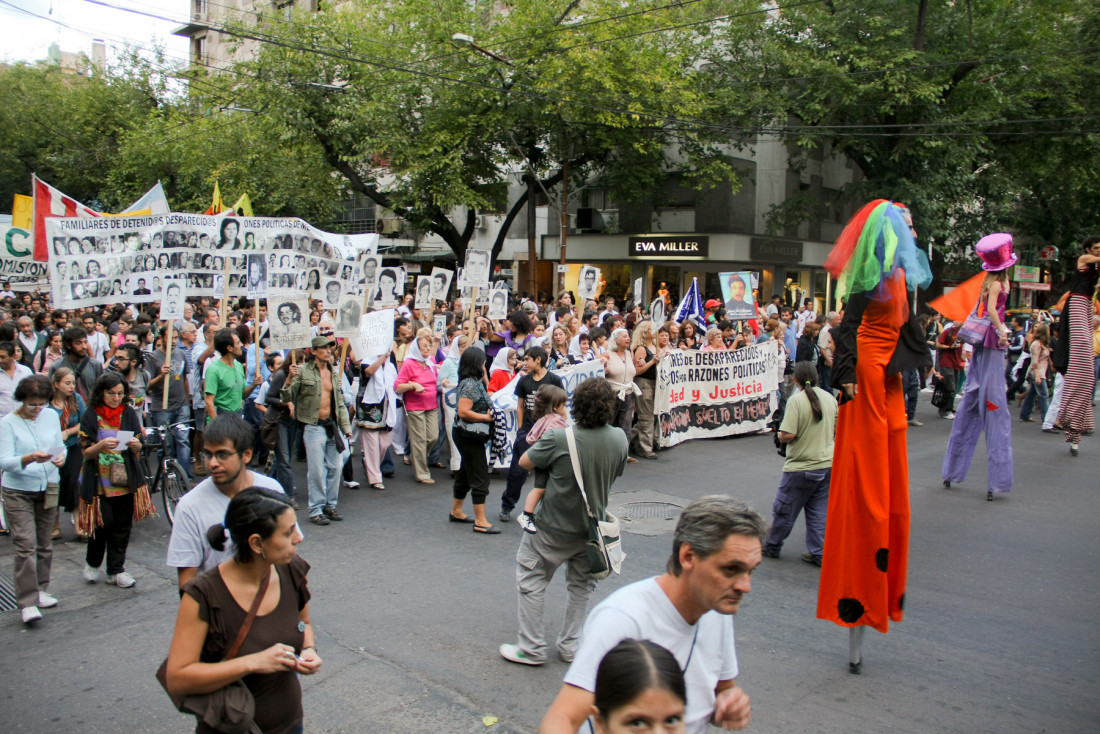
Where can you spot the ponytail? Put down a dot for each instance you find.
(805, 375)
(215, 536)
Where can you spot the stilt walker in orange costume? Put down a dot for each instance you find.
(875, 262)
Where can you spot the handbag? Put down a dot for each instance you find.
(229, 709)
(269, 429)
(117, 473)
(941, 394)
(976, 327)
(372, 416)
(604, 546)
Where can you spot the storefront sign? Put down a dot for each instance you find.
(775, 251)
(1034, 286)
(1026, 274)
(666, 247)
(710, 394)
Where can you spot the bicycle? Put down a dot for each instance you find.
(170, 479)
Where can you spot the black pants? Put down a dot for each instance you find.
(473, 474)
(114, 536)
(517, 475)
(69, 496)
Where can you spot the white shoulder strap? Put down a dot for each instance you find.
(571, 441)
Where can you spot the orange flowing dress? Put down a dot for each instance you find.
(867, 531)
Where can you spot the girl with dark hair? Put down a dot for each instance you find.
(113, 493)
(29, 491)
(639, 687)
(264, 530)
(517, 336)
(472, 429)
(69, 407)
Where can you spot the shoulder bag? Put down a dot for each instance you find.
(976, 326)
(604, 546)
(229, 709)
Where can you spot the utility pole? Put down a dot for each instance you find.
(559, 278)
(532, 255)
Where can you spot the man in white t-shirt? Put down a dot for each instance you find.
(227, 448)
(805, 315)
(686, 610)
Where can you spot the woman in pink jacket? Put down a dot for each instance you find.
(416, 383)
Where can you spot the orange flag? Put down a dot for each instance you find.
(957, 305)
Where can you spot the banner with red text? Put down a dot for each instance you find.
(711, 394)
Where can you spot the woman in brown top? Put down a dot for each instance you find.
(262, 525)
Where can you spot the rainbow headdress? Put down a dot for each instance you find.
(874, 244)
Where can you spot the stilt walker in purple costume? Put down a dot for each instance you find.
(984, 402)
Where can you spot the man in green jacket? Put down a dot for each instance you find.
(315, 399)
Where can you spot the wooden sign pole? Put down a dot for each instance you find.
(167, 361)
(224, 311)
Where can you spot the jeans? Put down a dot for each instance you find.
(387, 459)
(324, 464)
(517, 475)
(283, 474)
(800, 491)
(910, 385)
(182, 435)
(1035, 388)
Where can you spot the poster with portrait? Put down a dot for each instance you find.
(368, 267)
(439, 323)
(171, 305)
(257, 275)
(332, 293)
(391, 286)
(637, 292)
(588, 283)
(737, 296)
(477, 268)
(657, 311)
(101, 260)
(441, 283)
(423, 299)
(348, 316)
(288, 323)
(498, 304)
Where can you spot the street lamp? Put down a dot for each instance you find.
(466, 40)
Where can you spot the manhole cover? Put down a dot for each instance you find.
(7, 595)
(645, 512)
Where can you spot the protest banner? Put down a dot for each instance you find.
(290, 327)
(95, 261)
(710, 394)
(570, 377)
(17, 263)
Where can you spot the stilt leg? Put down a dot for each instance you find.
(855, 649)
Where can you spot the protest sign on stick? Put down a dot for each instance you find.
(376, 333)
(289, 328)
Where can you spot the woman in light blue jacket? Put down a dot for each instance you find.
(31, 450)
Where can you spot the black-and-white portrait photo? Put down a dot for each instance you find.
(227, 237)
(369, 276)
(391, 286)
(441, 283)
(423, 299)
(332, 294)
(588, 284)
(498, 304)
(477, 268)
(171, 305)
(348, 316)
(289, 327)
(257, 276)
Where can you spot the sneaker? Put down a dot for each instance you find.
(915, 422)
(513, 654)
(122, 580)
(948, 416)
(928, 389)
(811, 559)
(770, 552)
(351, 484)
(318, 519)
(505, 516)
(527, 522)
(46, 601)
(91, 575)
(1073, 450)
(31, 614)
(332, 514)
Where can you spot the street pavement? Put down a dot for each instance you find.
(1000, 632)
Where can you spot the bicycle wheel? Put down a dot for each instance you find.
(175, 484)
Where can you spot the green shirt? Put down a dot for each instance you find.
(601, 453)
(813, 445)
(226, 384)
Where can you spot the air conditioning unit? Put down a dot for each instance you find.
(389, 225)
(481, 222)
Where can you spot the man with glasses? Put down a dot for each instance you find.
(316, 400)
(227, 448)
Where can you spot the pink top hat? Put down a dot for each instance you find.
(996, 253)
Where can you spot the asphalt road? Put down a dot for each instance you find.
(1000, 633)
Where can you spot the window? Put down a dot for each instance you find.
(198, 50)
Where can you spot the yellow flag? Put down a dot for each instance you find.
(216, 206)
(21, 212)
(134, 213)
(243, 206)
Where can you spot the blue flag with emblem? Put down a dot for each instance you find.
(691, 307)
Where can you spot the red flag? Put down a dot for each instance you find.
(49, 202)
(957, 305)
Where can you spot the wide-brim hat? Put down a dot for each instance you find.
(322, 341)
(996, 253)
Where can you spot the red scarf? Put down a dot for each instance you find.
(111, 416)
